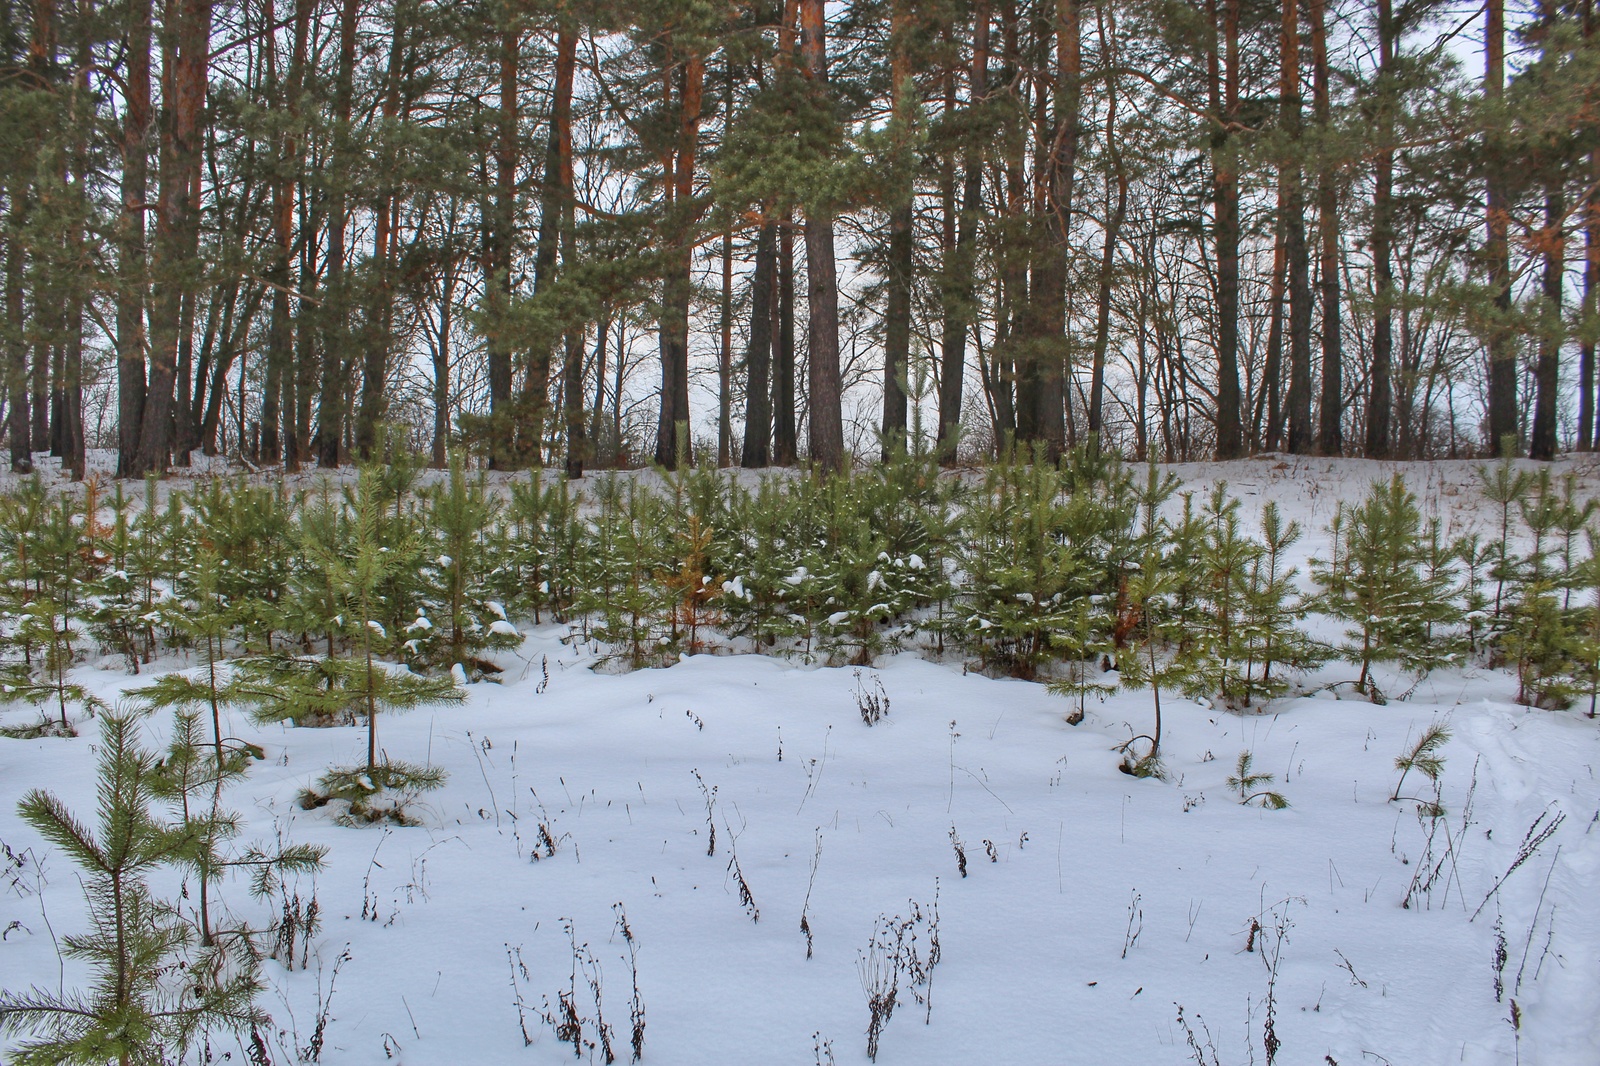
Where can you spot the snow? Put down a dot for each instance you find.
(1093, 906)
(1031, 941)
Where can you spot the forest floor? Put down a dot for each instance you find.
(1080, 915)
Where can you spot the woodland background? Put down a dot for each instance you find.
(597, 233)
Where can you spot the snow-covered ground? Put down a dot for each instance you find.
(1093, 905)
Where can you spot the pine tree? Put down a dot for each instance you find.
(192, 778)
(1571, 521)
(51, 564)
(618, 579)
(205, 620)
(457, 520)
(1247, 784)
(312, 608)
(330, 689)
(1377, 580)
(1150, 602)
(246, 530)
(764, 567)
(1540, 639)
(1253, 610)
(43, 635)
(1504, 486)
(113, 597)
(1023, 568)
(22, 512)
(1587, 649)
(542, 534)
(152, 995)
(1227, 557)
(1084, 643)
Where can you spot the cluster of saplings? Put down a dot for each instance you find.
(333, 603)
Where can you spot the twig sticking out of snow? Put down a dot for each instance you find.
(1539, 832)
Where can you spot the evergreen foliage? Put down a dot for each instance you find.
(335, 605)
(458, 617)
(1247, 783)
(153, 993)
(332, 689)
(1423, 757)
(1377, 580)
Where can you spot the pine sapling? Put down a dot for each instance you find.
(1377, 581)
(134, 1012)
(192, 778)
(1248, 785)
(332, 688)
(1504, 486)
(1423, 757)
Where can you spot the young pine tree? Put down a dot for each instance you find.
(1378, 582)
(192, 778)
(53, 563)
(1023, 565)
(205, 620)
(458, 516)
(366, 682)
(1506, 487)
(114, 604)
(38, 669)
(151, 994)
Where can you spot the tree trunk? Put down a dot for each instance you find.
(1330, 436)
(70, 383)
(1225, 191)
(572, 364)
(132, 287)
(1270, 398)
(1380, 397)
(17, 355)
(280, 380)
(758, 353)
(280, 337)
(1057, 151)
(335, 301)
(1302, 433)
(46, 324)
(900, 201)
(822, 286)
(184, 68)
(1542, 435)
(1588, 428)
(678, 282)
(725, 353)
(1502, 345)
(1113, 228)
(441, 367)
(309, 328)
(377, 326)
(960, 285)
(498, 238)
(1003, 381)
(785, 445)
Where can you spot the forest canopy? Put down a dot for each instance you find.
(596, 234)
